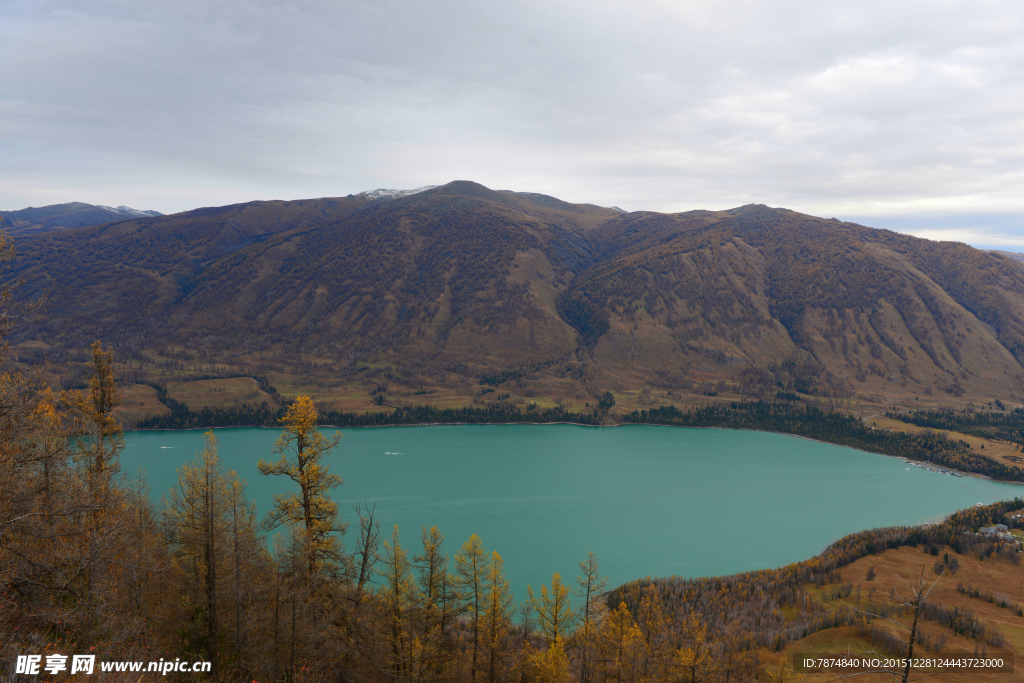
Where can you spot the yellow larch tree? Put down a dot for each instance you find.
(553, 609)
(400, 594)
(497, 617)
(302, 449)
(440, 602)
(650, 619)
(196, 520)
(589, 586)
(249, 564)
(695, 659)
(550, 665)
(471, 565)
(621, 649)
(99, 435)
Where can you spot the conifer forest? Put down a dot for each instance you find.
(308, 592)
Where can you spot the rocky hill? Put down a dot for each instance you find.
(460, 293)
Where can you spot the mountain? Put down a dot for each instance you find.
(460, 293)
(805, 302)
(1010, 254)
(72, 215)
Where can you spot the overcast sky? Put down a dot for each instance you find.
(898, 114)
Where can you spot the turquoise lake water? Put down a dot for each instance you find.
(647, 500)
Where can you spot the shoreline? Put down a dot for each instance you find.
(921, 527)
(963, 473)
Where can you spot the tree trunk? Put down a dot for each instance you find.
(913, 636)
(211, 580)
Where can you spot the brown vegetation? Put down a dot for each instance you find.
(361, 303)
(88, 565)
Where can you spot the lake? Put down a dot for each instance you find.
(647, 500)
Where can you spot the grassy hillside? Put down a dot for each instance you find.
(459, 295)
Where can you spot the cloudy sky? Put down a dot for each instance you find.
(902, 114)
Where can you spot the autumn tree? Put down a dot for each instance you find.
(43, 560)
(497, 617)
(650, 619)
(302, 449)
(100, 437)
(440, 601)
(356, 620)
(527, 624)
(432, 564)
(471, 566)
(295, 625)
(589, 587)
(550, 665)
(554, 610)
(400, 593)
(250, 564)
(620, 648)
(219, 559)
(365, 555)
(695, 659)
(79, 554)
(196, 520)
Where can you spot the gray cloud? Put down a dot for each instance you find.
(862, 109)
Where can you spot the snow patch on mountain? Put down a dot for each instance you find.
(129, 211)
(382, 193)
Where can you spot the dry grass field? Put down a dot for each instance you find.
(219, 393)
(894, 569)
(139, 401)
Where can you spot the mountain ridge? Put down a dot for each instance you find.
(34, 220)
(367, 298)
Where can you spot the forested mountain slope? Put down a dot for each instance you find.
(459, 284)
(805, 302)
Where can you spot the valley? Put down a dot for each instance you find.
(458, 304)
